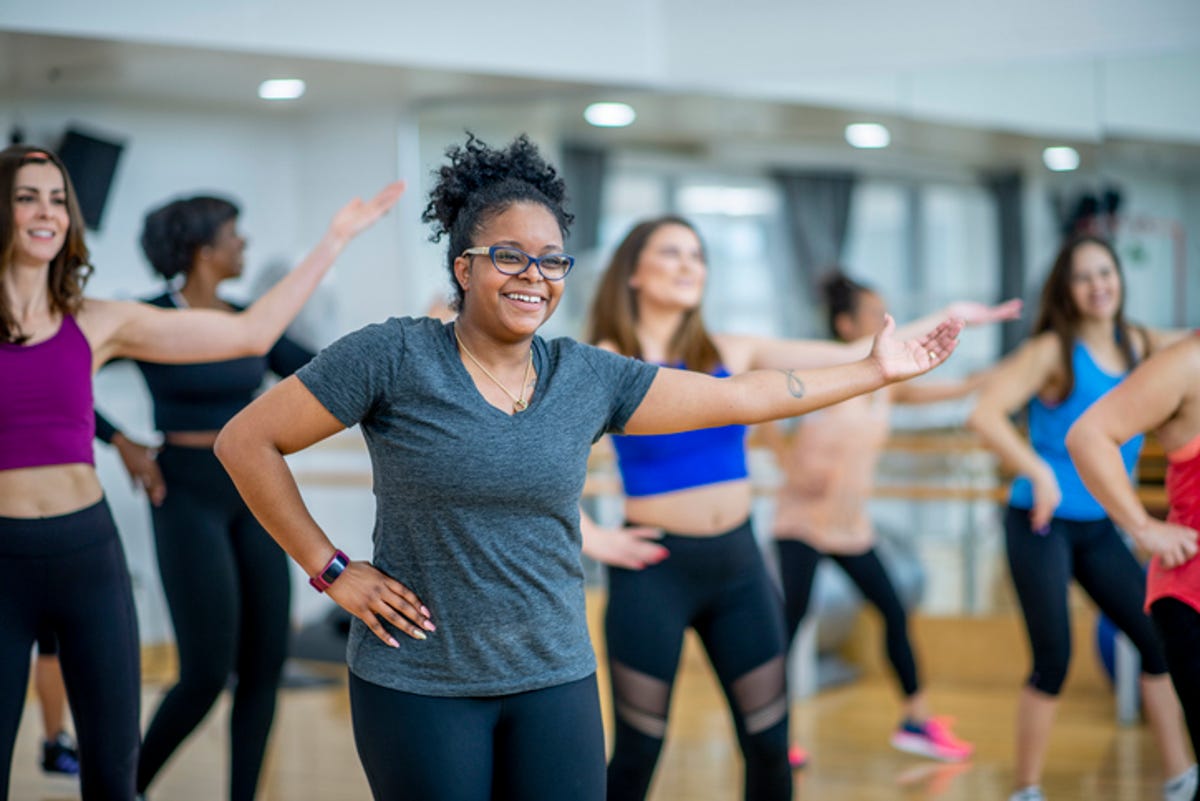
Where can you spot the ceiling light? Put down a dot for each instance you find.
(868, 135)
(610, 115)
(1061, 159)
(281, 89)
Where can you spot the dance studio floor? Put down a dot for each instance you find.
(313, 758)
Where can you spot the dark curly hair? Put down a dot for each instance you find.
(481, 182)
(173, 232)
(70, 267)
(842, 295)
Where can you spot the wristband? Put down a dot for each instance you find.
(330, 572)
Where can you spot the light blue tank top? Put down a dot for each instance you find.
(1048, 426)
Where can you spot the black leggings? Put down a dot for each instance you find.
(66, 576)
(226, 583)
(720, 587)
(798, 568)
(541, 744)
(1179, 625)
(1042, 565)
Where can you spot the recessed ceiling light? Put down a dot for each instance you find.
(868, 135)
(281, 89)
(610, 115)
(1061, 159)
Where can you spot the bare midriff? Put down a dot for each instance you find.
(48, 491)
(191, 439)
(695, 512)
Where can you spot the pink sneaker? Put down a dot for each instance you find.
(797, 757)
(934, 740)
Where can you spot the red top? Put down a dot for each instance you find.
(1183, 490)
(46, 413)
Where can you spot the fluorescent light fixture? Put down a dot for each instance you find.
(1061, 159)
(610, 115)
(868, 135)
(281, 89)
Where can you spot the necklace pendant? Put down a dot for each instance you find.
(520, 405)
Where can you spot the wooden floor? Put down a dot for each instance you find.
(313, 758)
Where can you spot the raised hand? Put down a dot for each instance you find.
(1171, 543)
(372, 596)
(972, 313)
(901, 360)
(359, 215)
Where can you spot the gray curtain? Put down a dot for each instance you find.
(583, 168)
(816, 213)
(1006, 189)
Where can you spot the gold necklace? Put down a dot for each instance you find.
(519, 403)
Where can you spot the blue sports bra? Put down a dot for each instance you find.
(658, 463)
(1048, 426)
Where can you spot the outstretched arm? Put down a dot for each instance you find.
(145, 332)
(680, 400)
(766, 353)
(1148, 399)
(285, 419)
(917, 392)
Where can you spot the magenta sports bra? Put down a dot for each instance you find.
(46, 414)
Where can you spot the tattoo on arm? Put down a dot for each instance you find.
(794, 384)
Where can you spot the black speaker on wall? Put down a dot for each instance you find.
(91, 162)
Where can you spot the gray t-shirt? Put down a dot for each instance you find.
(477, 511)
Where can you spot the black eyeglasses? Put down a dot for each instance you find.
(514, 261)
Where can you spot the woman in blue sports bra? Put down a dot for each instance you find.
(694, 487)
(1082, 346)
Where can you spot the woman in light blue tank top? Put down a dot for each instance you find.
(1082, 346)
(694, 486)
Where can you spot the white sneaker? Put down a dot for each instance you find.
(1028, 794)
(1183, 786)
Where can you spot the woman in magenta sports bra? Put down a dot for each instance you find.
(695, 487)
(1162, 395)
(63, 567)
(1082, 347)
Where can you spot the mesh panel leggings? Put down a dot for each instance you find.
(1042, 566)
(542, 744)
(1179, 625)
(798, 568)
(226, 583)
(720, 587)
(66, 577)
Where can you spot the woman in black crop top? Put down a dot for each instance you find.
(64, 572)
(225, 580)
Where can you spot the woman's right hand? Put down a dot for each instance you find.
(1046, 497)
(359, 215)
(371, 595)
(1171, 543)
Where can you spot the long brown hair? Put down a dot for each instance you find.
(615, 310)
(69, 269)
(1059, 314)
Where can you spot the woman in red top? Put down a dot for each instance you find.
(1163, 396)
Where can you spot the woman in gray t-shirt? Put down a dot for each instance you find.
(472, 674)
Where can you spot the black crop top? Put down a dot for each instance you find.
(204, 397)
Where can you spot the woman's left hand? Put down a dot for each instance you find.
(898, 361)
(358, 215)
